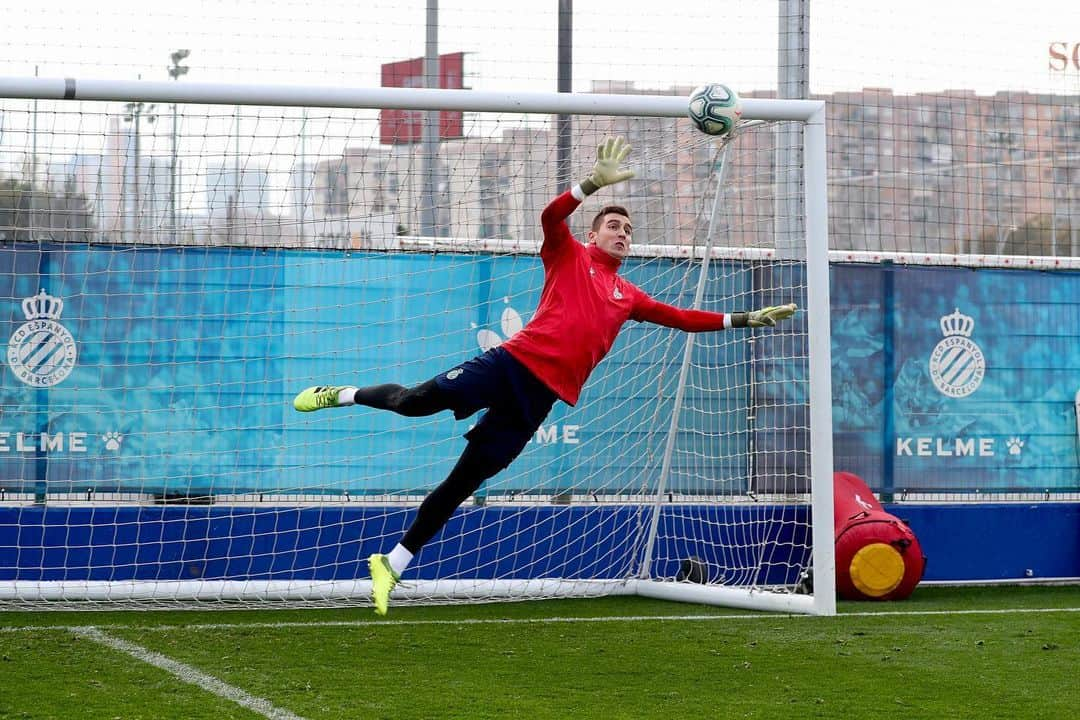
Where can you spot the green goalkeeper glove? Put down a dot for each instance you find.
(766, 317)
(607, 170)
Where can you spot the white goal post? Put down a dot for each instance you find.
(682, 443)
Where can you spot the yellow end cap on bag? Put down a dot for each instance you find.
(877, 569)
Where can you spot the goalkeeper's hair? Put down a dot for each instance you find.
(607, 209)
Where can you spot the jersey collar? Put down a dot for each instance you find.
(600, 257)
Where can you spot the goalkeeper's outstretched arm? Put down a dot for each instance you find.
(649, 310)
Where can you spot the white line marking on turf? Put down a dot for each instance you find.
(188, 674)
(533, 621)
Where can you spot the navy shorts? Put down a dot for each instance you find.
(517, 403)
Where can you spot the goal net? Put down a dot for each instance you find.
(168, 286)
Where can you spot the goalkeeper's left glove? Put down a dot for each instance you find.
(766, 317)
(608, 169)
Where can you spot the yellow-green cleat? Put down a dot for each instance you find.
(383, 580)
(319, 397)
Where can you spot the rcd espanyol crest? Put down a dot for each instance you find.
(957, 365)
(41, 351)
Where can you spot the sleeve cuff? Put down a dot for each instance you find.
(578, 193)
(727, 321)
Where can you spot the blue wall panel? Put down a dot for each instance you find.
(179, 543)
(962, 542)
(900, 430)
(983, 541)
(192, 356)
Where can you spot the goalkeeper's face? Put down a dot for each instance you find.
(612, 235)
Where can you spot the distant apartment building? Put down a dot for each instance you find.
(480, 189)
(955, 172)
(236, 189)
(949, 172)
(946, 172)
(128, 194)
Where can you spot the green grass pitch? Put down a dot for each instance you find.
(1008, 652)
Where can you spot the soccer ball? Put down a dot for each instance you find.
(714, 109)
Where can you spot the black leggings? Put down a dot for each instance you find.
(424, 399)
(477, 463)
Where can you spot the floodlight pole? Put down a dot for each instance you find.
(793, 81)
(175, 71)
(33, 155)
(429, 144)
(565, 85)
(133, 112)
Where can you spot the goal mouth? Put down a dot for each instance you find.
(283, 245)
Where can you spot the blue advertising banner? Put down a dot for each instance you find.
(171, 371)
(174, 350)
(950, 379)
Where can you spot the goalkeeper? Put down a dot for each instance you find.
(583, 305)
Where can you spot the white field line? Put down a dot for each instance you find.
(533, 621)
(187, 674)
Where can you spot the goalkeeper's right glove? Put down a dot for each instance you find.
(607, 170)
(766, 317)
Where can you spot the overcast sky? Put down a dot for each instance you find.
(910, 46)
(913, 45)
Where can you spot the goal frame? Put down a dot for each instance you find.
(811, 113)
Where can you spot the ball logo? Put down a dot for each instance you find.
(957, 364)
(41, 351)
(510, 322)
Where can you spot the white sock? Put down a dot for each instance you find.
(399, 558)
(345, 396)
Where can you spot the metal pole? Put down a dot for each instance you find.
(135, 109)
(33, 161)
(41, 396)
(233, 210)
(793, 81)
(564, 124)
(175, 71)
(430, 137)
(680, 390)
(137, 220)
(305, 183)
(172, 180)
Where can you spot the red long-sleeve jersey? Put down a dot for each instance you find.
(583, 305)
